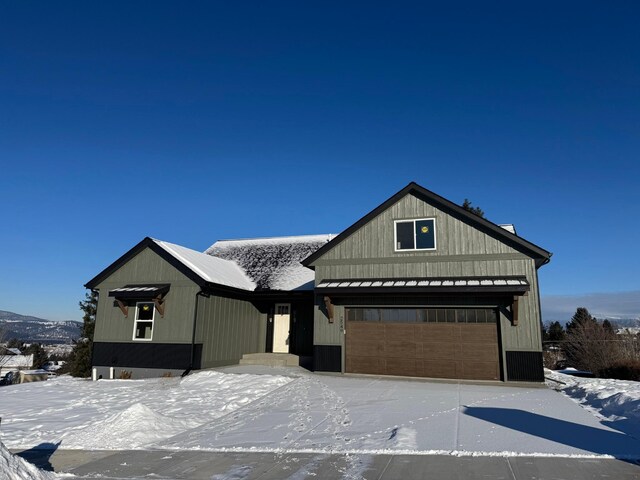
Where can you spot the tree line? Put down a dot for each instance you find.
(589, 344)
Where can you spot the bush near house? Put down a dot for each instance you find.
(595, 346)
(623, 370)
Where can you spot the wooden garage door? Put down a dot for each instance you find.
(421, 342)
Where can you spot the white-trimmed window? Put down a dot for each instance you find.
(418, 234)
(143, 324)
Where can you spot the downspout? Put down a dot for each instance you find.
(193, 336)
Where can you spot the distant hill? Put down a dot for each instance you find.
(34, 329)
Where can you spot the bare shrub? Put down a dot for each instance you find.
(552, 358)
(167, 375)
(623, 370)
(591, 347)
(125, 375)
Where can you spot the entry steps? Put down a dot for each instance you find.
(270, 359)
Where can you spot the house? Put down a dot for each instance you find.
(14, 361)
(417, 287)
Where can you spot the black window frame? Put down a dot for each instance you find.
(414, 223)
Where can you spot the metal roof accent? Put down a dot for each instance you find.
(140, 291)
(515, 285)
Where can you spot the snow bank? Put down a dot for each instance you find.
(123, 414)
(15, 468)
(615, 400)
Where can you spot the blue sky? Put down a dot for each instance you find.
(192, 122)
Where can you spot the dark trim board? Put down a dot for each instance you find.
(524, 366)
(146, 355)
(327, 358)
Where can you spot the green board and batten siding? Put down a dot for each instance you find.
(226, 327)
(231, 328)
(462, 250)
(147, 267)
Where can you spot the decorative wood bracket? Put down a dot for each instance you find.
(123, 308)
(329, 306)
(515, 310)
(159, 303)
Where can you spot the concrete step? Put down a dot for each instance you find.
(270, 359)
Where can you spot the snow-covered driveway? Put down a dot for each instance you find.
(291, 410)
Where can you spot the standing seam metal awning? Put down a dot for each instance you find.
(140, 291)
(508, 285)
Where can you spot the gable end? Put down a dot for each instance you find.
(540, 255)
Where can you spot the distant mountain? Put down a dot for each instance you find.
(34, 329)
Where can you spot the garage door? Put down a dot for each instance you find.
(423, 342)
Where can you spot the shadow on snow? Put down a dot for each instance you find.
(40, 455)
(590, 439)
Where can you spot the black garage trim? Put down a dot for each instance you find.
(524, 366)
(146, 355)
(327, 358)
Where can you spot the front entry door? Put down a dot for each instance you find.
(281, 320)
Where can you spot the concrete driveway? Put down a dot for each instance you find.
(331, 426)
(322, 413)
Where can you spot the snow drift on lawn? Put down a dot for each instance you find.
(15, 468)
(122, 414)
(615, 400)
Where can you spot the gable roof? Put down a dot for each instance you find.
(540, 255)
(273, 263)
(203, 269)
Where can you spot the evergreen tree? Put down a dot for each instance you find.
(15, 343)
(477, 210)
(582, 317)
(40, 357)
(608, 327)
(80, 359)
(555, 332)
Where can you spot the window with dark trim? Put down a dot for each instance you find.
(422, 315)
(143, 324)
(417, 234)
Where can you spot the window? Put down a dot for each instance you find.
(143, 325)
(422, 315)
(415, 234)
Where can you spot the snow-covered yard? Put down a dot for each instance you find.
(259, 409)
(617, 402)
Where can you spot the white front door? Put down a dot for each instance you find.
(281, 328)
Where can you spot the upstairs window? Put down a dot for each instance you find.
(143, 325)
(417, 234)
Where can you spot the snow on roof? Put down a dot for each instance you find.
(211, 269)
(509, 227)
(273, 263)
(16, 361)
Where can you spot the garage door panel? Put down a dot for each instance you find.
(401, 366)
(369, 348)
(370, 365)
(478, 333)
(393, 348)
(428, 332)
(438, 350)
(401, 331)
(480, 353)
(438, 369)
(480, 371)
(369, 330)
